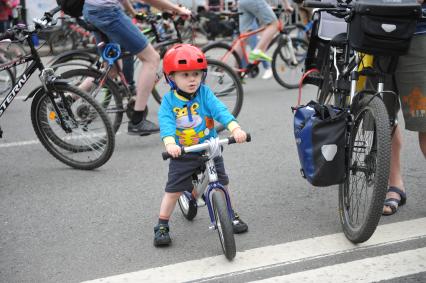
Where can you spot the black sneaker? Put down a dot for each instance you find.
(143, 128)
(238, 225)
(161, 235)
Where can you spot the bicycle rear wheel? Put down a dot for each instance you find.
(108, 95)
(223, 224)
(285, 73)
(362, 194)
(61, 41)
(89, 140)
(7, 81)
(224, 83)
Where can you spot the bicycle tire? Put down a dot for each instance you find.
(229, 87)
(372, 169)
(188, 206)
(82, 116)
(213, 49)
(282, 53)
(223, 224)
(61, 41)
(114, 108)
(79, 57)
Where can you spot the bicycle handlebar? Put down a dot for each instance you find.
(316, 4)
(204, 146)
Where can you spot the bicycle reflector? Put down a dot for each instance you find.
(111, 53)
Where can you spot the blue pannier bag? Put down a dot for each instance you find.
(320, 132)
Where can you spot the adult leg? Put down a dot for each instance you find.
(267, 36)
(146, 78)
(422, 142)
(395, 176)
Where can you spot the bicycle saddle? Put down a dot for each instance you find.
(339, 40)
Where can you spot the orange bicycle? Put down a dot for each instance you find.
(287, 58)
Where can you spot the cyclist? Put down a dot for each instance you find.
(410, 77)
(186, 118)
(109, 18)
(261, 11)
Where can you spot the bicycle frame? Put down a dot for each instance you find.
(46, 76)
(208, 181)
(22, 80)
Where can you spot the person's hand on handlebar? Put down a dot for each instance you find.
(173, 149)
(239, 135)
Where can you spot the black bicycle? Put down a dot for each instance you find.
(347, 57)
(68, 122)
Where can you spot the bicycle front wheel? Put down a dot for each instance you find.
(362, 195)
(84, 139)
(285, 72)
(224, 53)
(223, 224)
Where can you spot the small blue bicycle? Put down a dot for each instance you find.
(208, 191)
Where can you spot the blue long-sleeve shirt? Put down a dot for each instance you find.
(191, 122)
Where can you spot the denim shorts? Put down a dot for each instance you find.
(182, 169)
(252, 10)
(117, 26)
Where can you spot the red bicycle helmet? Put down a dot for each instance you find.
(184, 57)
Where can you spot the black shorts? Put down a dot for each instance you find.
(182, 169)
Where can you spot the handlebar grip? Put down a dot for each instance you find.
(166, 155)
(231, 140)
(54, 11)
(7, 35)
(316, 4)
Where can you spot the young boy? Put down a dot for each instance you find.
(186, 118)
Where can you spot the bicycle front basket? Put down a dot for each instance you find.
(383, 27)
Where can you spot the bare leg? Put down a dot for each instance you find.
(395, 176)
(168, 204)
(267, 36)
(150, 61)
(422, 142)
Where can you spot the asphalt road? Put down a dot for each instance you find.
(63, 225)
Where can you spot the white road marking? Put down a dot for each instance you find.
(32, 142)
(366, 270)
(272, 256)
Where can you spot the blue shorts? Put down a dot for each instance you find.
(117, 26)
(252, 10)
(182, 169)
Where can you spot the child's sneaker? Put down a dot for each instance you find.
(238, 225)
(161, 235)
(259, 55)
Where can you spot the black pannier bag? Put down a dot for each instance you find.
(320, 132)
(383, 27)
(72, 8)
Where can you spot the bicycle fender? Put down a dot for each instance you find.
(37, 90)
(63, 57)
(34, 92)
